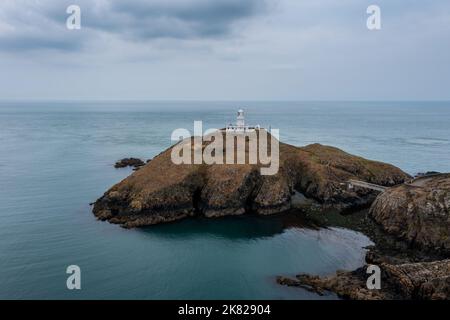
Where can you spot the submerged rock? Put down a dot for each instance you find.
(162, 191)
(417, 212)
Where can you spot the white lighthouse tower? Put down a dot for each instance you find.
(240, 126)
(240, 120)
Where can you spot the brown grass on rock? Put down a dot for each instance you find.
(162, 191)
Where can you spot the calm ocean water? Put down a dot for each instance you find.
(56, 158)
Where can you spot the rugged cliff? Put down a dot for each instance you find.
(418, 212)
(162, 191)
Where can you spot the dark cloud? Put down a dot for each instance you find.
(31, 26)
(41, 25)
(184, 19)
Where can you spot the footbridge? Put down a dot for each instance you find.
(362, 184)
(418, 182)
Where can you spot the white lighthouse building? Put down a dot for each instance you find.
(240, 126)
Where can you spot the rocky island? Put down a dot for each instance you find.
(162, 191)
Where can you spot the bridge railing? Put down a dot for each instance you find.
(362, 184)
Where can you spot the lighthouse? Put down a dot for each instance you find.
(240, 120)
(240, 126)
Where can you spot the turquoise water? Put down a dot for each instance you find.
(56, 158)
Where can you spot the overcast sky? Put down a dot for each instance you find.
(225, 50)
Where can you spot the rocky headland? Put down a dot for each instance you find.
(162, 191)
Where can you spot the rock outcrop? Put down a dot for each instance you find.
(421, 280)
(162, 191)
(417, 212)
(129, 162)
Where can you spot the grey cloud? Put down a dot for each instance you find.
(198, 18)
(29, 26)
(41, 25)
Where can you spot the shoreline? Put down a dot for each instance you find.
(388, 251)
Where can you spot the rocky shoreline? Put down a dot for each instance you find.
(412, 267)
(411, 281)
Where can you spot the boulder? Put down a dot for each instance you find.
(129, 162)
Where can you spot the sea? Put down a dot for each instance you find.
(57, 157)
